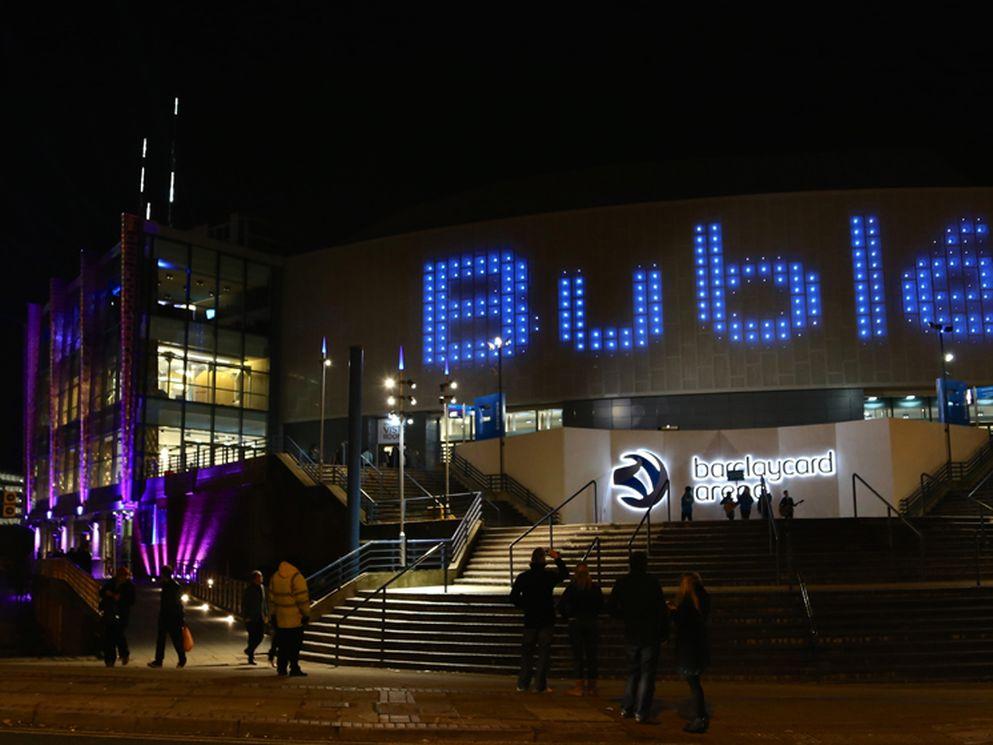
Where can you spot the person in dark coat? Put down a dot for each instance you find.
(532, 593)
(254, 609)
(116, 599)
(745, 502)
(691, 613)
(581, 604)
(686, 505)
(637, 600)
(171, 619)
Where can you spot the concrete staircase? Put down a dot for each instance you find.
(873, 617)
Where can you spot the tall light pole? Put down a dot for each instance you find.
(400, 417)
(444, 398)
(943, 394)
(325, 364)
(498, 344)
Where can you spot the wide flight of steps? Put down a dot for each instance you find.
(887, 629)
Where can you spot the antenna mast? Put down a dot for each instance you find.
(172, 158)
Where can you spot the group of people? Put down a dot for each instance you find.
(636, 599)
(284, 605)
(743, 503)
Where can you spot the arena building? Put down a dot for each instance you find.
(759, 328)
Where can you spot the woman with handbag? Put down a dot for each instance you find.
(171, 621)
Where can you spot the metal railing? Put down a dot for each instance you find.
(469, 474)
(472, 516)
(646, 522)
(809, 610)
(372, 556)
(774, 543)
(984, 510)
(934, 485)
(594, 544)
(550, 517)
(335, 475)
(87, 588)
(890, 512)
(217, 590)
(439, 547)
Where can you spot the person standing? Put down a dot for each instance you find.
(116, 600)
(171, 617)
(686, 505)
(691, 613)
(728, 504)
(745, 501)
(787, 505)
(532, 593)
(291, 604)
(581, 604)
(255, 611)
(637, 600)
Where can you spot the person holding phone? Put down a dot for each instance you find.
(532, 593)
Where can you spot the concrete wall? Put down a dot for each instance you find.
(888, 453)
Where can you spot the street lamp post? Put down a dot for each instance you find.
(943, 398)
(498, 344)
(325, 364)
(444, 398)
(398, 401)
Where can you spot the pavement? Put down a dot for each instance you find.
(217, 697)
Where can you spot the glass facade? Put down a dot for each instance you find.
(208, 359)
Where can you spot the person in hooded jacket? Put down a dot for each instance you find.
(581, 604)
(690, 616)
(532, 593)
(116, 599)
(290, 601)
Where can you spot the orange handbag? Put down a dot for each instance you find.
(187, 639)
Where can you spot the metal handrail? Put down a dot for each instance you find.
(948, 473)
(646, 520)
(595, 543)
(382, 588)
(981, 530)
(774, 545)
(338, 474)
(472, 515)
(890, 511)
(495, 482)
(808, 609)
(551, 522)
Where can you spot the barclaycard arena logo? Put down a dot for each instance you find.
(641, 476)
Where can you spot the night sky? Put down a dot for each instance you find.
(332, 121)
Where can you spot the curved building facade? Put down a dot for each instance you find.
(725, 312)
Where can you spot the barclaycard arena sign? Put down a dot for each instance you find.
(639, 478)
(711, 476)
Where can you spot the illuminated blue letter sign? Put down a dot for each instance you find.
(867, 268)
(646, 292)
(485, 293)
(717, 279)
(954, 285)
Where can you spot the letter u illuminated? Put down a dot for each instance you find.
(573, 306)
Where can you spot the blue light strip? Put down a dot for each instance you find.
(716, 280)
(867, 270)
(646, 296)
(487, 293)
(954, 284)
